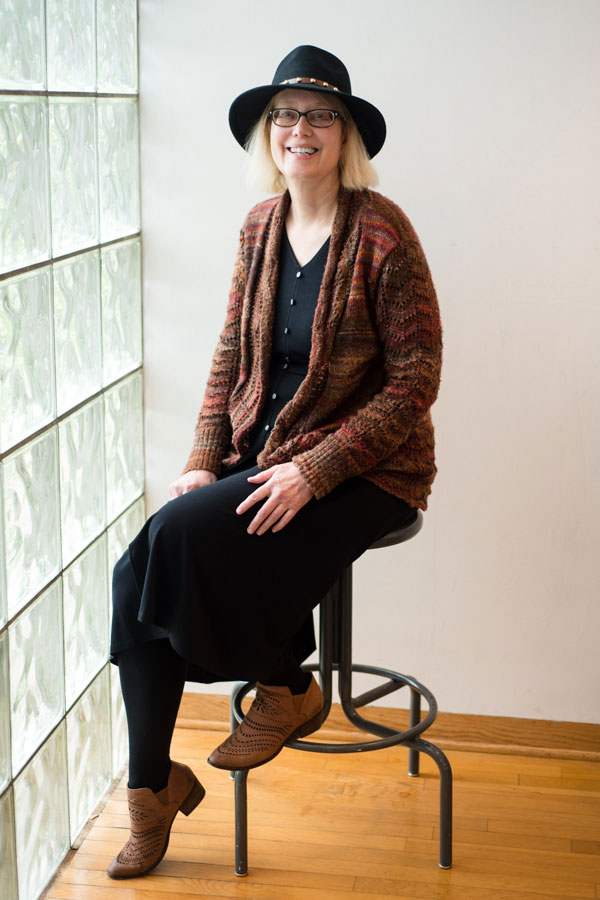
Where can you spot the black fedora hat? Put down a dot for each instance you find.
(309, 69)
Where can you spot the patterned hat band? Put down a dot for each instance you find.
(300, 80)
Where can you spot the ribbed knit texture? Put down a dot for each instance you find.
(374, 370)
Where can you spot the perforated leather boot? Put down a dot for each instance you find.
(151, 818)
(275, 716)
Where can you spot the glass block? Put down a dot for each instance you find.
(3, 610)
(31, 519)
(22, 57)
(88, 751)
(77, 329)
(121, 309)
(124, 445)
(120, 745)
(73, 174)
(24, 198)
(117, 46)
(82, 492)
(26, 356)
(42, 815)
(85, 616)
(36, 674)
(123, 531)
(4, 713)
(8, 864)
(119, 168)
(71, 37)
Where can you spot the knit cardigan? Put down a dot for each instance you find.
(374, 369)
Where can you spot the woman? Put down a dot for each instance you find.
(314, 439)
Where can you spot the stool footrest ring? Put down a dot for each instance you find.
(388, 737)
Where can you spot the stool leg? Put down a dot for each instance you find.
(326, 648)
(415, 718)
(443, 765)
(445, 813)
(241, 822)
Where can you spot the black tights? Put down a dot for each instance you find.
(152, 679)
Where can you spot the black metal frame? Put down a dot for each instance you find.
(335, 654)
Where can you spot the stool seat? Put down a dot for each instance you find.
(335, 654)
(399, 535)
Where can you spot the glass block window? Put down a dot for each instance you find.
(71, 418)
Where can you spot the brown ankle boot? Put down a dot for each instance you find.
(275, 716)
(151, 819)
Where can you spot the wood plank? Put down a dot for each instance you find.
(418, 891)
(592, 847)
(176, 868)
(575, 827)
(589, 769)
(517, 798)
(64, 891)
(562, 783)
(505, 839)
(215, 846)
(550, 860)
(177, 881)
(332, 838)
(371, 823)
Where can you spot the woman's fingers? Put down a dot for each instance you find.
(270, 520)
(262, 513)
(287, 517)
(254, 497)
(263, 475)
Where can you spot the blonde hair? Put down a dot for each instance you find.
(356, 169)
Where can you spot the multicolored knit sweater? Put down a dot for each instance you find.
(374, 370)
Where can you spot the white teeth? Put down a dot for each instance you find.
(302, 151)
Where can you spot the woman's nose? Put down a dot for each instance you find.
(302, 126)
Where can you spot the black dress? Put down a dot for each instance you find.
(238, 606)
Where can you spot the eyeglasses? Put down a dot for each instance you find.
(318, 118)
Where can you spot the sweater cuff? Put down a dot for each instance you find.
(325, 466)
(207, 452)
(202, 460)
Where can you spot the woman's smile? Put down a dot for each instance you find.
(303, 151)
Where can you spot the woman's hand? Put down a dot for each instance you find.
(193, 479)
(285, 491)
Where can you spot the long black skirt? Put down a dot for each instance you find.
(238, 606)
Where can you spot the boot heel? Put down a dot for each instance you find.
(312, 725)
(195, 796)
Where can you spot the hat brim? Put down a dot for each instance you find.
(247, 109)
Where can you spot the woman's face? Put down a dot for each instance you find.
(321, 146)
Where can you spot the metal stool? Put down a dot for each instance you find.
(335, 654)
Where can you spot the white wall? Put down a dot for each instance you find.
(492, 151)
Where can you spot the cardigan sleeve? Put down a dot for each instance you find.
(408, 323)
(213, 427)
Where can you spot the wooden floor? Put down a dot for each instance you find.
(337, 827)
